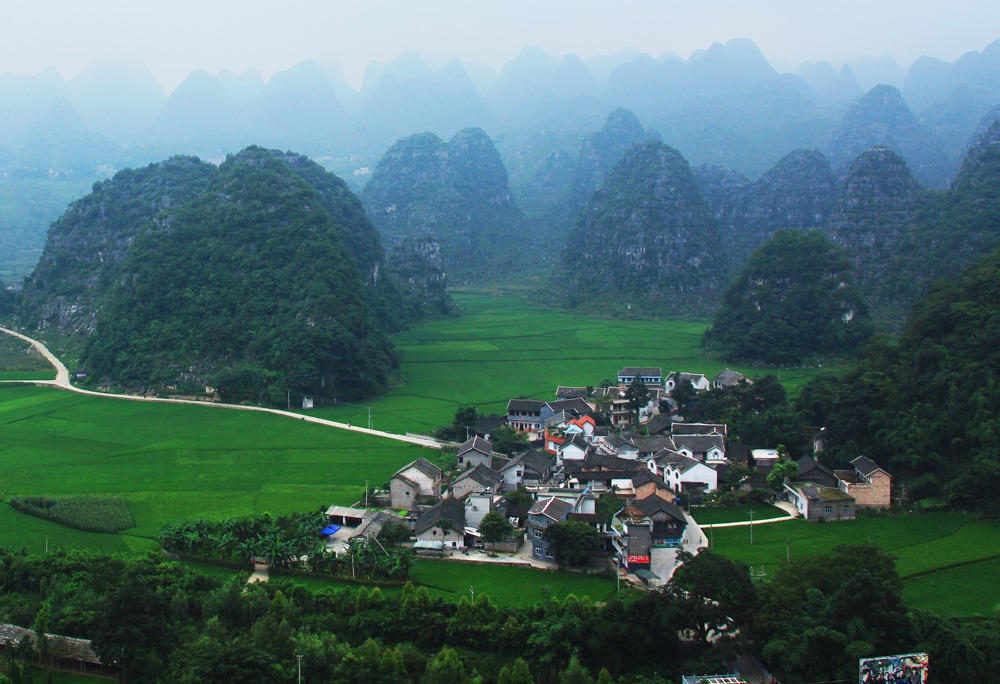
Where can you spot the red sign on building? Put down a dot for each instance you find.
(638, 559)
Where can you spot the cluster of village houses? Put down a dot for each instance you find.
(574, 462)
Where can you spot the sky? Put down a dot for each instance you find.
(175, 37)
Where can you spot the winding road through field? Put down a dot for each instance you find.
(62, 382)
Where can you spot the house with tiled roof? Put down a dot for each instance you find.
(417, 481)
(443, 522)
(531, 468)
(868, 483)
(649, 375)
(473, 452)
(561, 428)
(816, 502)
(476, 479)
(705, 448)
(685, 474)
(811, 470)
(544, 513)
(576, 449)
(728, 378)
(697, 380)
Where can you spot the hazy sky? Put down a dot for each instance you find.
(175, 37)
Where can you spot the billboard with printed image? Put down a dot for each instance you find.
(910, 668)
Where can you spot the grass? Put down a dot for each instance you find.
(962, 591)
(174, 461)
(728, 514)
(503, 348)
(932, 550)
(506, 584)
(20, 361)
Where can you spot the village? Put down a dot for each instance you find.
(617, 490)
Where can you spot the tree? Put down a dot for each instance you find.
(574, 541)
(637, 396)
(683, 393)
(519, 673)
(446, 668)
(495, 528)
(782, 469)
(718, 593)
(507, 440)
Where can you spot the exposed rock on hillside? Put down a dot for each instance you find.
(646, 241)
(87, 245)
(798, 192)
(456, 192)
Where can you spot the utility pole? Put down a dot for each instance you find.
(366, 493)
(369, 417)
(288, 394)
(299, 657)
(751, 527)
(788, 549)
(472, 590)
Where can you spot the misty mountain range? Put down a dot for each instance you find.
(725, 105)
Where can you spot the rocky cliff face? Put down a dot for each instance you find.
(88, 244)
(881, 117)
(798, 192)
(878, 205)
(646, 241)
(456, 192)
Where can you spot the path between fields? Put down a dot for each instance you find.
(788, 508)
(62, 382)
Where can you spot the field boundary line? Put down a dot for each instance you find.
(953, 566)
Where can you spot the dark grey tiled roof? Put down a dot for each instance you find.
(447, 509)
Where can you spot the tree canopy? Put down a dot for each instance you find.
(794, 300)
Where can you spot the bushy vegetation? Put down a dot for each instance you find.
(794, 301)
(91, 513)
(928, 407)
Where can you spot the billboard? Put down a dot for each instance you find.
(910, 668)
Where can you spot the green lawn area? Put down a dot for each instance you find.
(921, 543)
(503, 347)
(714, 516)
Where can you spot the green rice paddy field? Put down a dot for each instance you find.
(503, 348)
(507, 585)
(948, 561)
(175, 461)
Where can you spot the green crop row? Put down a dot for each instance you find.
(90, 513)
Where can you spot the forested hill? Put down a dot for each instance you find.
(928, 408)
(258, 277)
(645, 242)
(453, 192)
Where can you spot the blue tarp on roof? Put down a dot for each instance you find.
(332, 529)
